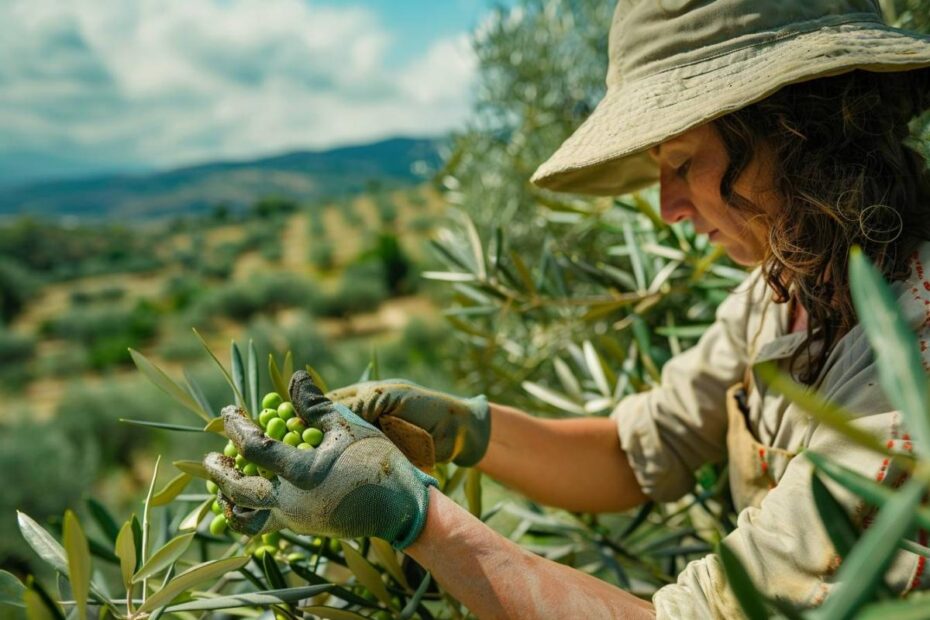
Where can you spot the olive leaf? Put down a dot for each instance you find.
(252, 599)
(171, 490)
(75, 543)
(164, 557)
(191, 577)
(126, 552)
(167, 385)
(11, 590)
(366, 574)
(900, 366)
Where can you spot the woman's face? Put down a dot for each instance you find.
(691, 167)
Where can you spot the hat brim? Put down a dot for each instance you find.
(607, 154)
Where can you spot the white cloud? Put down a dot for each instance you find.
(167, 82)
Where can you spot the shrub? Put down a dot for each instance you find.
(18, 285)
(16, 351)
(361, 289)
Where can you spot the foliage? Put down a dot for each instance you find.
(65, 251)
(18, 285)
(106, 332)
(16, 350)
(267, 293)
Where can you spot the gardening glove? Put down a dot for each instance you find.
(428, 426)
(355, 483)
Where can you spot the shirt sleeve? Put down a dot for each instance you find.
(674, 428)
(783, 544)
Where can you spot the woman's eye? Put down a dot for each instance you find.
(682, 170)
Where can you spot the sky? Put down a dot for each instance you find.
(99, 85)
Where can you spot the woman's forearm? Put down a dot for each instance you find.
(575, 464)
(496, 578)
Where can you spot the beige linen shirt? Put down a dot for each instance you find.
(671, 430)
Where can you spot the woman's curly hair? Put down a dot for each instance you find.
(846, 174)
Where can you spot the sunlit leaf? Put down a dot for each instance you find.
(553, 398)
(387, 557)
(237, 371)
(75, 543)
(11, 590)
(749, 597)
(164, 557)
(171, 490)
(448, 276)
(317, 379)
(865, 566)
(252, 373)
(42, 542)
(366, 574)
(163, 381)
(288, 368)
(219, 365)
(276, 380)
(197, 393)
(164, 426)
(834, 518)
(194, 468)
(190, 578)
(914, 608)
(193, 519)
(216, 425)
(332, 613)
(473, 491)
(866, 488)
(252, 599)
(126, 552)
(900, 367)
(825, 412)
(38, 609)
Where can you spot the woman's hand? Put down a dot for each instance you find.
(428, 426)
(356, 483)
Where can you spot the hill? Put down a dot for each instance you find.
(303, 176)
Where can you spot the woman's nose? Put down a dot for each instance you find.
(674, 203)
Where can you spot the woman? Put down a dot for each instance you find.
(778, 132)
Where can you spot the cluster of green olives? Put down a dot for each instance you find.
(280, 421)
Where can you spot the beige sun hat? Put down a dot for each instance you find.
(675, 64)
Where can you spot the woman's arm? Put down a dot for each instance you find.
(495, 578)
(574, 464)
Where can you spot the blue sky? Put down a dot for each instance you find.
(90, 86)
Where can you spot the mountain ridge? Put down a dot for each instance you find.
(306, 175)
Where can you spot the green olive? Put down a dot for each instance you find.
(304, 446)
(334, 545)
(296, 557)
(286, 411)
(218, 525)
(212, 488)
(271, 538)
(291, 439)
(276, 428)
(266, 473)
(250, 469)
(296, 424)
(261, 551)
(313, 436)
(266, 415)
(230, 450)
(271, 400)
(240, 461)
(216, 508)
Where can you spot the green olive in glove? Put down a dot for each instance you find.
(428, 426)
(355, 483)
